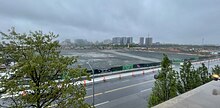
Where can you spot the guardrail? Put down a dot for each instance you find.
(123, 71)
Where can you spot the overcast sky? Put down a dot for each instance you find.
(170, 21)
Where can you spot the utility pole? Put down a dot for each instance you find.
(202, 41)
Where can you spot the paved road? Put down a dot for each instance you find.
(130, 92)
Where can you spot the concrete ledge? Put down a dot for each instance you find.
(200, 97)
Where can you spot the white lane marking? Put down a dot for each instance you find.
(145, 90)
(92, 95)
(125, 87)
(125, 81)
(102, 103)
(128, 86)
(94, 105)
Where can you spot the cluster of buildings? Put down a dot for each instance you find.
(146, 41)
(122, 40)
(129, 40)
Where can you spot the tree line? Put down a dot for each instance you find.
(170, 83)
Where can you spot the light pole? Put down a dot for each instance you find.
(208, 65)
(93, 90)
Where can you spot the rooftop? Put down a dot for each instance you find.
(205, 96)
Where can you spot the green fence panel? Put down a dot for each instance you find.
(126, 67)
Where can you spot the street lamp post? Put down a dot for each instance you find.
(93, 90)
(208, 65)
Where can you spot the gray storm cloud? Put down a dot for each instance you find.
(175, 21)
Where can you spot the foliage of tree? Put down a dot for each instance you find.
(188, 78)
(169, 83)
(165, 86)
(36, 73)
(216, 70)
(204, 74)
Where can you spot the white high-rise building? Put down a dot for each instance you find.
(116, 40)
(148, 41)
(129, 40)
(122, 40)
(141, 43)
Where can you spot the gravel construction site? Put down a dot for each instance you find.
(102, 59)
